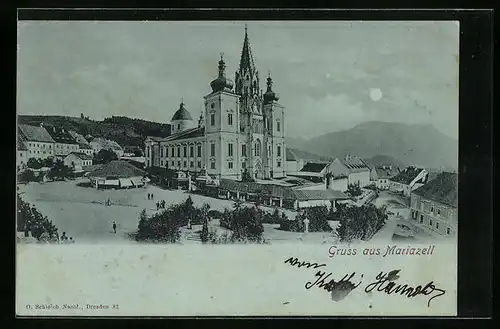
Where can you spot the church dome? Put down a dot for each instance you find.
(182, 114)
(221, 83)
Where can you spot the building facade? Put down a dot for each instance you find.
(37, 141)
(408, 180)
(242, 129)
(64, 142)
(77, 161)
(434, 205)
(355, 169)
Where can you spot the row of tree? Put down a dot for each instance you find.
(29, 219)
(58, 171)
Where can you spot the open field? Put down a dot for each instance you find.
(81, 213)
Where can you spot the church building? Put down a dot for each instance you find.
(242, 129)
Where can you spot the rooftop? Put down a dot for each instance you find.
(354, 164)
(82, 156)
(182, 113)
(188, 133)
(407, 175)
(35, 134)
(386, 172)
(60, 135)
(119, 169)
(442, 189)
(315, 167)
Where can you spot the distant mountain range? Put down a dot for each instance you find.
(377, 142)
(407, 144)
(125, 131)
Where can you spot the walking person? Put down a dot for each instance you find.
(152, 196)
(63, 237)
(114, 227)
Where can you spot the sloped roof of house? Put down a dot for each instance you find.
(407, 176)
(21, 146)
(81, 155)
(188, 133)
(85, 146)
(315, 167)
(60, 135)
(78, 137)
(442, 189)
(386, 172)
(118, 168)
(35, 134)
(355, 164)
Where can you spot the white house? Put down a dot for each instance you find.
(297, 159)
(408, 180)
(22, 153)
(77, 161)
(99, 144)
(64, 142)
(355, 169)
(37, 140)
(381, 176)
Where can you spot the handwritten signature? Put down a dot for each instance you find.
(384, 282)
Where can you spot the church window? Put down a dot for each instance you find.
(185, 164)
(178, 164)
(199, 150)
(212, 105)
(278, 164)
(173, 152)
(243, 150)
(161, 152)
(191, 151)
(243, 165)
(212, 165)
(212, 119)
(173, 163)
(161, 163)
(230, 149)
(185, 151)
(278, 151)
(212, 150)
(199, 164)
(257, 148)
(191, 164)
(178, 126)
(278, 126)
(230, 165)
(178, 151)
(230, 119)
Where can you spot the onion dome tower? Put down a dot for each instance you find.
(221, 83)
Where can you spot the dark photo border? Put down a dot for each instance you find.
(475, 237)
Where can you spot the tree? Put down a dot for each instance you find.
(138, 153)
(105, 156)
(360, 223)
(27, 176)
(142, 231)
(59, 171)
(246, 177)
(354, 190)
(29, 219)
(34, 163)
(204, 235)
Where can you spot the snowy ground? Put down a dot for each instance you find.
(81, 213)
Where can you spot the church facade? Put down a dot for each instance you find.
(242, 129)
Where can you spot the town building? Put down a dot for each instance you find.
(64, 142)
(78, 137)
(242, 129)
(117, 174)
(78, 161)
(22, 153)
(39, 143)
(99, 144)
(297, 159)
(86, 149)
(381, 175)
(354, 168)
(408, 180)
(434, 205)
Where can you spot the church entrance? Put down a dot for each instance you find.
(258, 172)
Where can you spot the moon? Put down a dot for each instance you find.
(375, 94)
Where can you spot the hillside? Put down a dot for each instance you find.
(381, 160)
(417, 144)
(125, 131)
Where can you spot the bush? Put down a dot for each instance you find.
(272, 218)
(28, 176)
(29, 219)
(360, 223)
(354, 190)
(161, 227)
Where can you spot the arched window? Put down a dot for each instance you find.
(257, 147)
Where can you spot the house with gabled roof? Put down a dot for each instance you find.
(64, 142)
(381, 175)
(77, 161)
(434, 206)
(408, 180)
(37, 140)
(354, 168)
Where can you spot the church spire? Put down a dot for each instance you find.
(246, 60)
